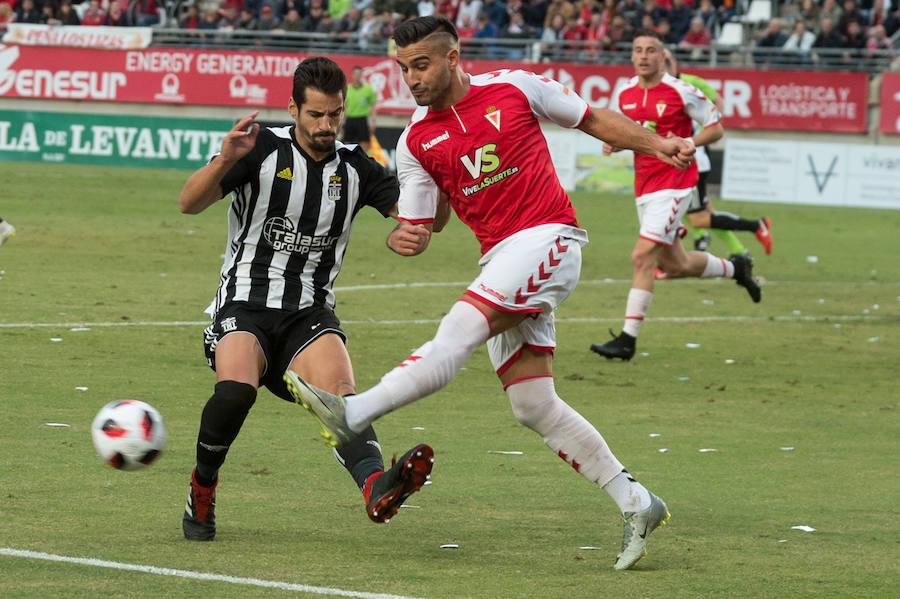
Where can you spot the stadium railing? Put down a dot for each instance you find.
(535, 51)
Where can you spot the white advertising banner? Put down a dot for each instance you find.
(821, 174)
(108, 38)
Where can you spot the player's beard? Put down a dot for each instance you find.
(320, 144)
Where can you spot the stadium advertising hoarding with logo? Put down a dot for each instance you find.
(115, 140)
(798, 172)
(782, 100)
(890, 103)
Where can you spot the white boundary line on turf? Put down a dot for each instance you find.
(181, 323)
(272, 584)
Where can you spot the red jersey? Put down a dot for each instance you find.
(672, 105)
(488, 154)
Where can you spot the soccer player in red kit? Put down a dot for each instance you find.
(475, 144)
(667, 105)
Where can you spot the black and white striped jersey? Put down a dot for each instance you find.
(290, 219)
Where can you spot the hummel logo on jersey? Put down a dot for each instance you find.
(494, 118)
(629, 106)
(285, 174)
(442, 137)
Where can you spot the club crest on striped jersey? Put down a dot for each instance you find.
(492, 114)
(334, 188)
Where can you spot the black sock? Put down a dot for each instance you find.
(731, 222)
(362, 457)
(220, 423)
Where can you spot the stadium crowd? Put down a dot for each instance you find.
(574, 30)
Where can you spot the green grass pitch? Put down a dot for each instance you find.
(813, 367)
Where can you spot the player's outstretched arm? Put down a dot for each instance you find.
(202, 188)
(620, 132)
(408, 239)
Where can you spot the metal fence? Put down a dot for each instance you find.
(535, 51)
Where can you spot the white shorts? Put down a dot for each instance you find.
(530, 272)
(660, 214)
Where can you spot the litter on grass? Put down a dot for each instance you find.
(665, 450)
(81, 388)
(418, 428)
(56, 424)
(707, 450)
(653, 435)
(729, 361)
(692, 345)
(506, 452)
(55, 339)
(79, 329)
(812, 259)
(588, 547)
(684, 378)
(804, 528)
(787, 449)
(449, 546)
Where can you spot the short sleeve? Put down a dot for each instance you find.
(550, 99)
(418, 191)
(699, 107)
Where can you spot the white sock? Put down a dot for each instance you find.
(717, 267)
(629, 494)
(565, 431)
(428, 369)
(635, 309)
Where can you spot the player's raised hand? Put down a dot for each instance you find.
(408, 239)
(677, 151)
(241, 139)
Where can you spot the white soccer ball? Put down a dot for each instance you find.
(128, 434)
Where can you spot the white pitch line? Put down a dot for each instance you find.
(257, 582)
(393, 322)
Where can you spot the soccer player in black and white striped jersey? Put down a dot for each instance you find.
(295, 192)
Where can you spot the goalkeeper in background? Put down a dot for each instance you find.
(701, 214)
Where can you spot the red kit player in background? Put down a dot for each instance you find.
(475, 143)
(667, 105)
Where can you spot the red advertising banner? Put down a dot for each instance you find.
(786, 100)
(890, 103)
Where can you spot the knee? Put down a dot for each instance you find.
(228, 407)
(532, 408)
(641, 260)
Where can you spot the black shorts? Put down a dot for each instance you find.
(356, 129)
(699, 199)
(282, 334)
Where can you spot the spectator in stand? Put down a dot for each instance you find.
(892, 22)
(347, 26)
(327, 25)
(6, 15)
(833, 11)
(425, 8)
(48, 14)
(769, 46)
(145, 13)
(664, 28)
(787, 12)
(726, 12)
(246, 20)
(337, 8)
(230, 18)
(368, 29)
(27, 13)
(448, 8)
(66, 15)
(516, 29)
(708, 14)
(573, 33)
(191, 18)
(698, 36)
(854, 39)
(558, 7)
(469, 8)
(210, 20)
(116, 16)
(679, 18)
(877, 15)
(314, 17)
(293, 22)
(597, 36)
(496, 12)
(466, 30)
(651, 9)
(850, 13)
(620, 32)
(535, 12)
(809, 14)
(551, 37)
(798, 44)
(485, 28)
(878, 41)
(829, 36)
(630, 10)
